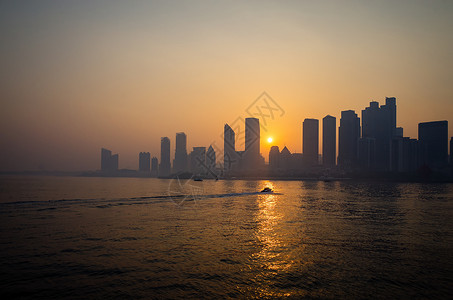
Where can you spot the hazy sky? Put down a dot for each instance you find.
(80, 75)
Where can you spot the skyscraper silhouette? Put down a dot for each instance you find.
(286, 159)
(329, 141)
(165, 166)
(252, 143)
(229, 149)
(106, 156)
(198, 161)
(274, 158)
(109, 162)
(378, 130)
(310, 141)
(433, 137)
(144, 159)
(180, 161)
(348, 137)
(405, 154)
(211, 160)
(154, 166)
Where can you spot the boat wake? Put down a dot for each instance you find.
(128, 201)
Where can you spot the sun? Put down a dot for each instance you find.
(269, 140)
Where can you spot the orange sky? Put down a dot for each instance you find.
(80, 76)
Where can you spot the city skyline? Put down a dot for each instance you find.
(367, 145)
(79, 76)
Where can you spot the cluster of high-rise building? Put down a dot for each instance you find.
(199, 162)
(372, 143)
(248, 160)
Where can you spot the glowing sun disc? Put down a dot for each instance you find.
(269, 140)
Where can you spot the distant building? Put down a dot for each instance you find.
(180, 161)
(109, 162)
(329, 141)
(348, 138)
(367, 153)
(433, 138)
(286, 161)
(252, 143)
(154, 166)
(379, 124)
(106, 156)
(165, 166)
(144, 160)
(310, 141)
(198, 161)
(211, 160)
(274, 158)
(230, 157)
(405, 154)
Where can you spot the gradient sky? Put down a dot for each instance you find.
(80, 75)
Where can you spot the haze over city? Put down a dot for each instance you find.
(78, 76)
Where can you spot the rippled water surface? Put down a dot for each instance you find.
(150, 238)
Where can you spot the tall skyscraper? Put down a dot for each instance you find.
(274, 158)
(230, 159)
(211, 160)
(252, 143)
(180, 161)
(165, 166)
(106, 156)
(286, 159)
(433, 138)
(348, 137)
(310, 141)
(144, 159)
(329, 141)
(379, 124)
(154, 166)
(404, 155)
(198, 161)
(109, 162)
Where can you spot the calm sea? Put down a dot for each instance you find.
(75, 237)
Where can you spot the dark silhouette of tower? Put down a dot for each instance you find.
(165, 166)
(180, 161)
(252, 143)
(348, 137)
(154, 166)
(106, 156)
(211, 160)
(378, 130)
(274, 158)
(198, 161)
(311, 141)
(144, 159)
(433, 137)
(286, 159)
(329, 141)
(109, 162)
(229, 156)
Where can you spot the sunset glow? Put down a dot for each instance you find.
(122, 76)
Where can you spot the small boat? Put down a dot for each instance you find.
(198, 179)
(267, 190)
